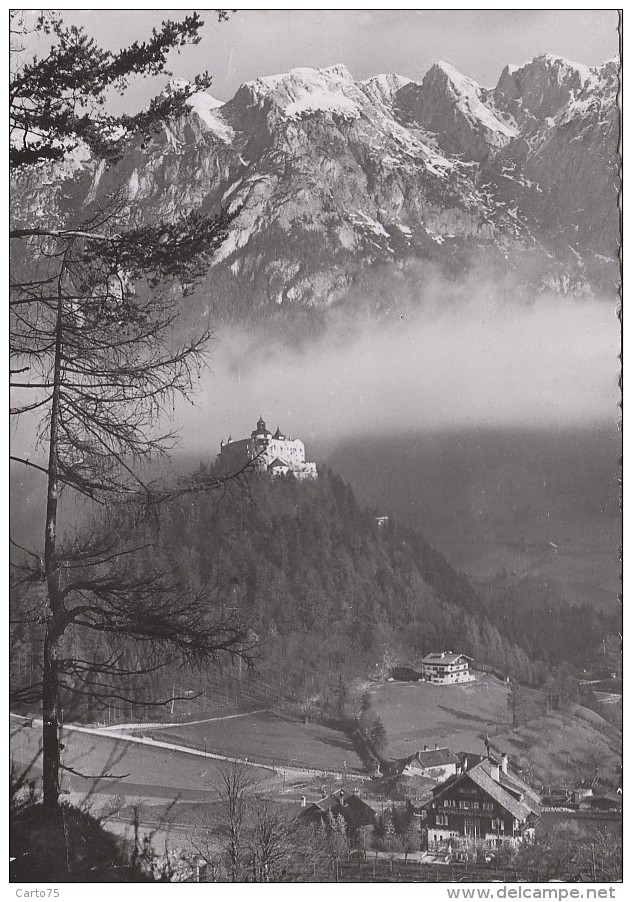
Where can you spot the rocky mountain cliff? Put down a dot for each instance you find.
(334, 180)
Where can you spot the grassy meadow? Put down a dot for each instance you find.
(269, 739)
(140, 771)
(459, 716)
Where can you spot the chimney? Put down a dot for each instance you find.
(303, 801)
(425, 748)
(464, 766)
(504, 761)
(436, 746)
(341, 796)
(495, 772)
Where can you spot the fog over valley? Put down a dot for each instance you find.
(477, 363)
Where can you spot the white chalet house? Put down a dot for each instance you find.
(445, 667)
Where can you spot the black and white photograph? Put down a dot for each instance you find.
(315, 531)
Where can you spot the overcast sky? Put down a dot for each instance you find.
(265, 42)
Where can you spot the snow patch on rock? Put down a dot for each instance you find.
(206, 106)
(468, 97)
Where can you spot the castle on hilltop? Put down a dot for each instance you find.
(275, 454)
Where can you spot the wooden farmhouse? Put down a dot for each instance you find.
(485, 806)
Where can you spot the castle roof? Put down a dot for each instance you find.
(277, 462)
(278, 434)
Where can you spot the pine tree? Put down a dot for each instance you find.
(59, 101)
(94, 299)
(410, 838)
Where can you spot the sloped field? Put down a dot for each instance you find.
(561, 746)
(268, 739)
(553, 748)
(139, 770)
(459, 716)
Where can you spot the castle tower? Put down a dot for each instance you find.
(275, 454)
(261, 430)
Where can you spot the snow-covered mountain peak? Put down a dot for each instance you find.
(452, 72)
(202, 98)
(542, 88)
(205, 106)
(461, 85)
(329, 177)
(175, 84)
(305, 90)
(563, 67)
(607, 75)
(207, 109)
(383, 88)
(302, 76)
(458, 111)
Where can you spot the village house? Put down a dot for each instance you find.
(434, 764)
(487, 805)
(416, 776)
(357, 815)
(611, 802)
(445, 668)
(583, 790)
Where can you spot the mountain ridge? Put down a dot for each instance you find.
(329, 178)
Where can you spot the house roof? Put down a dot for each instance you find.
(588, 783)
(480, 774)
(498, 793)
(354, 809)
(435, 757)
(414, 781)
(513, 783)
(239, 443)
(443, 657)
(470, 759)
(327, 803)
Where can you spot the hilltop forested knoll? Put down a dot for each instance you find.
(328, 593)
(326, 589)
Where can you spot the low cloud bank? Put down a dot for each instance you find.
(478, 362)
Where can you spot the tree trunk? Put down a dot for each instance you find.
(50, 727)
(54, 626)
